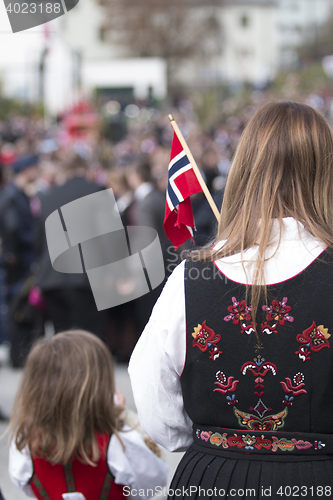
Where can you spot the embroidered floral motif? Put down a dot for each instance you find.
(232, 400)
(278, 311)
(301, 445)
(269, 423)
(303, 353)
(259, 386)
(225, 386)
(296, 389)
(205, 435)
(314, 338)
(239, 311)
(205, 337)
(248, 329)
(319, 445)
(259, 368)
(260, 408)
(268, 329)
(288, 400)
(217, 439)
(251, 442)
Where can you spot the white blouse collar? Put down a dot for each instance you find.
(297, 249)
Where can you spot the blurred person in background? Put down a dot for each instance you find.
(4, 335)
(205, 220)
(159, 170)
(122, 329)
(209, 166)
(5, 214)
(48, 175)
(149, 202)
(68, 297)
(18, 220)
(146, 210)
(117, 181)
(19, 250)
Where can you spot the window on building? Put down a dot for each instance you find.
(244, 21)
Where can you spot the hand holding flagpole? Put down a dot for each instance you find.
(195, 168)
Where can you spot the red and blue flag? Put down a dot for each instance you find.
(182, 183)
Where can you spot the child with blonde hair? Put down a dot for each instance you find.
(68, 441)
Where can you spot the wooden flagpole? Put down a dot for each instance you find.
(195, 168)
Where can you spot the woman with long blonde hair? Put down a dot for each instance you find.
(239, 344)
(68, 441)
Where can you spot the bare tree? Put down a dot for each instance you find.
(175, 30)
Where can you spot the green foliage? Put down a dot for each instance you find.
(14, 107)
(311, 78)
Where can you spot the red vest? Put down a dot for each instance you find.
(90, 481)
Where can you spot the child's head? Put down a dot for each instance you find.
(66, 396)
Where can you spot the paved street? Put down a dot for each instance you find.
(9, 381)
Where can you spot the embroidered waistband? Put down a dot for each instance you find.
(262, 442)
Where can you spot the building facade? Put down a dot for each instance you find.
(255, 39)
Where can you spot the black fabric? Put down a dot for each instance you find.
(240, 476)
(69, 309)
(281, 382)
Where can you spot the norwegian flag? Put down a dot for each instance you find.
(178, 219)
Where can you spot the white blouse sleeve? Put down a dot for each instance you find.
(21, 468)
(156, 365)
(137, 467)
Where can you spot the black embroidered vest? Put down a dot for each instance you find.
(282, 382)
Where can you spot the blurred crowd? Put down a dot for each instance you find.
(43, 166)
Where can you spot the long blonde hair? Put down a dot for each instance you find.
(283, 167)
(65, 398)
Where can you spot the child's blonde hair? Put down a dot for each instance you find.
(65, 398)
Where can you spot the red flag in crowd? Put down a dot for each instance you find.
(182, 183)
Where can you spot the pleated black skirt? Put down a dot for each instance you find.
(203, 474)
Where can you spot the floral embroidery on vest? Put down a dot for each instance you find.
(277, 314)
(269, 423)
(250, 442)
(239, 311)
(205, 337)
(225, 386)
(294, 388)
(314, 338)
